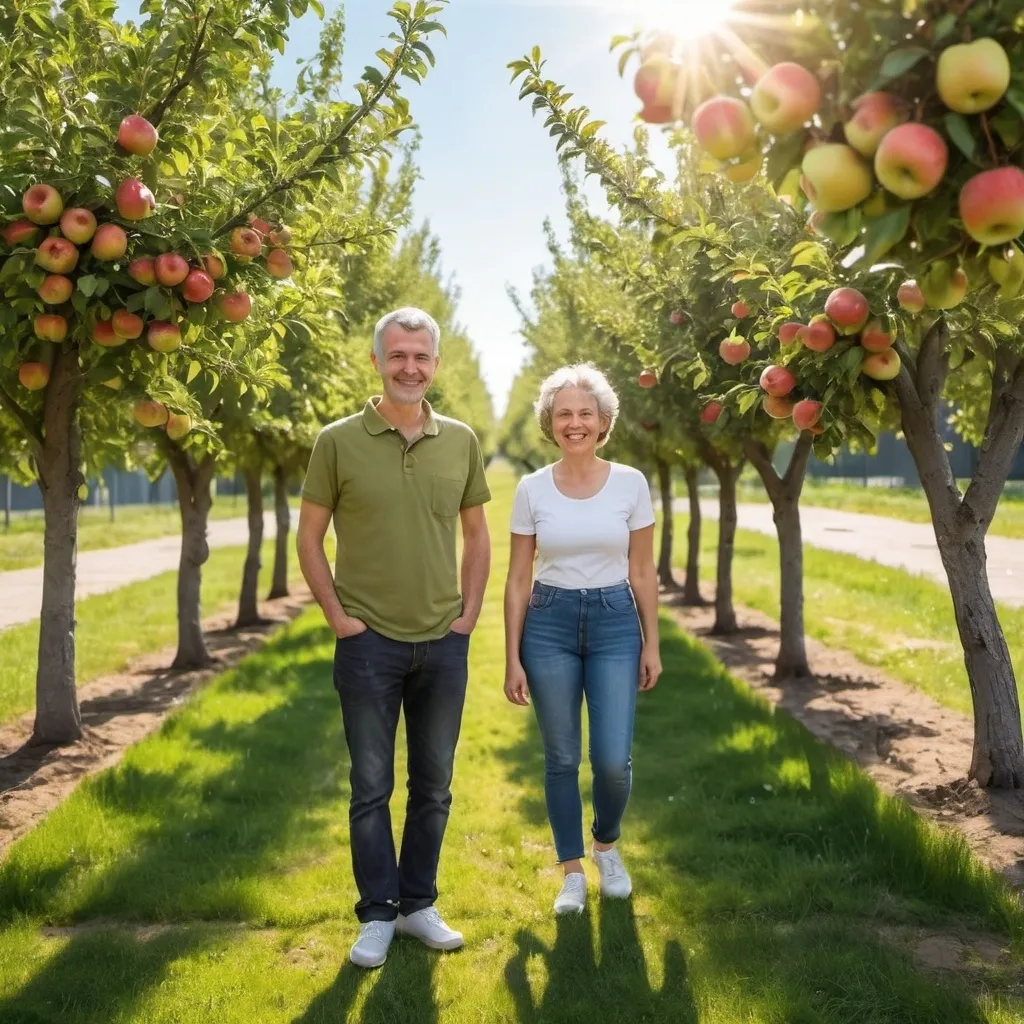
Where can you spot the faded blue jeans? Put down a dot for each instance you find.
(576, 644)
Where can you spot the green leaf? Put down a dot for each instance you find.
(194, 369)
(87, 284)
(434, 26)
(884, 232)
(318, 7)
(944, 26)
(181, 161)
(216, 381)
(784, 154)
(1007, 125)
(1015, 97)
(960, 133)
(899, 62)
(426, 51)
(747, 401)
(372, 75)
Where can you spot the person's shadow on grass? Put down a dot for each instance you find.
(581, 988)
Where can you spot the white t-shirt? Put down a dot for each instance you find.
(582, 542)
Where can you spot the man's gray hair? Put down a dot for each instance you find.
(412, 319)
(586, 377)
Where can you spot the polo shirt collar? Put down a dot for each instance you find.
(376, 424)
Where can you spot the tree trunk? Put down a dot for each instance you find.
(248, 601)
(665, 577)
(283, 515)
(691, 586)
(194, 500)
(725, 613)
(58, 718)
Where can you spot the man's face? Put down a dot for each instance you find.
(409, 364)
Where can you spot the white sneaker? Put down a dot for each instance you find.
(428, 926)
(573, 897)
(615, 881)
(371, 948)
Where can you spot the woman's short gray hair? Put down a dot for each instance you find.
(412, 319)
(588, 378)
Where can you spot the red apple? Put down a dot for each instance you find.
(149, 413)
(42, 204)
(178, 426)
(279, 263)
(56, 255)
(710, 413)
(134, 200)
(19, 232)
(171, 269)
(78, 225)
(806, 414)
(657, 115)
(875, 114)
(944, 287)
(819, 335)
(724, 127)
(973, 77)
(263, 227)
(50, 327)
(777, 408)
(676, 317)
(143, 270)
(788, 332)
(835, 178)
(911, 160)
(910, 297)
(992, 205)
(235, 306)
(34, 376)
(137, 135)
(785, 97)
(655, 81)
(103, 334)
(55, 289)
(777, 381)
(876, 337)
(197, 287)
(740, 310)
(734, 352)
(847, 309)
(282, 236)
(110, 243)
(647, 379)
(881, 365)
(246, 242)
(214, 266)
(163, 337)
(127, 325)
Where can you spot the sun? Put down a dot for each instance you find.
(686, 20)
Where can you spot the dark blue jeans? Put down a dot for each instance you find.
(376, 678)
(576, 644)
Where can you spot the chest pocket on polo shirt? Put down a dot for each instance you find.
(446, 496)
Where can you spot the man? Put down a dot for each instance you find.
(396, 478)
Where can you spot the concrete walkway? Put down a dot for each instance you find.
(909, 546)
(21, 592)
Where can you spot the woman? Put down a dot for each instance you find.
(575, 631)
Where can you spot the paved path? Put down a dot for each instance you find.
(909, 546)
(99, 572)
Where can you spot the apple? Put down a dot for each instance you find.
(110, 243)
(744, 171)
(55, 289)
(676, 316)
(282, 236)
(657, 115)
(236, 306)
(127, 325)
(214, 266)
(647, 379)
(149, 413)
(777, 381)
(876, 204)
(710, 413)
(992, 205)
(734, 352)
(655, 81)
(874, 115)
(263, 227)
(724, 127)
(740, 310)
(103, 333)
(910, 297)
(143, 270)
(50, 327)
(788, 332)
(819, 335)
(944, 287)
(835, 178)
(246, 242)
(170, 269)
(137, 135)
(877, 337)
(163, 337)
(911, 160)
(178, 426)
(785, 97)
(42, 204)
(34, 376)
(279, 263)
(1007, 271)
(806, 414)
(78, 225)
(56, 255)
(19, 231)
(777, 408)
(198, 286)
(134, 200)
(847, 309)
(881, 365)
(972, 77)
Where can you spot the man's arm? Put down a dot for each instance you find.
(313, 522)
(476, 566)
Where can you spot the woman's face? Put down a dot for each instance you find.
(576, 422)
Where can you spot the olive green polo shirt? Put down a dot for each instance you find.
(396, 508)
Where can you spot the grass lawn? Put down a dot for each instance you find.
(901, 623)
(208, 878)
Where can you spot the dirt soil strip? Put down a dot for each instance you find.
(909, 744)
(117, 711)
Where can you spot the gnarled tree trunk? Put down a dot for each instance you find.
(665, 577)
(58, 718)
(691, 585)
(248, 601)
(283, 516)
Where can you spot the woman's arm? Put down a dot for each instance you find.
(643, 578)
(518, 585)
